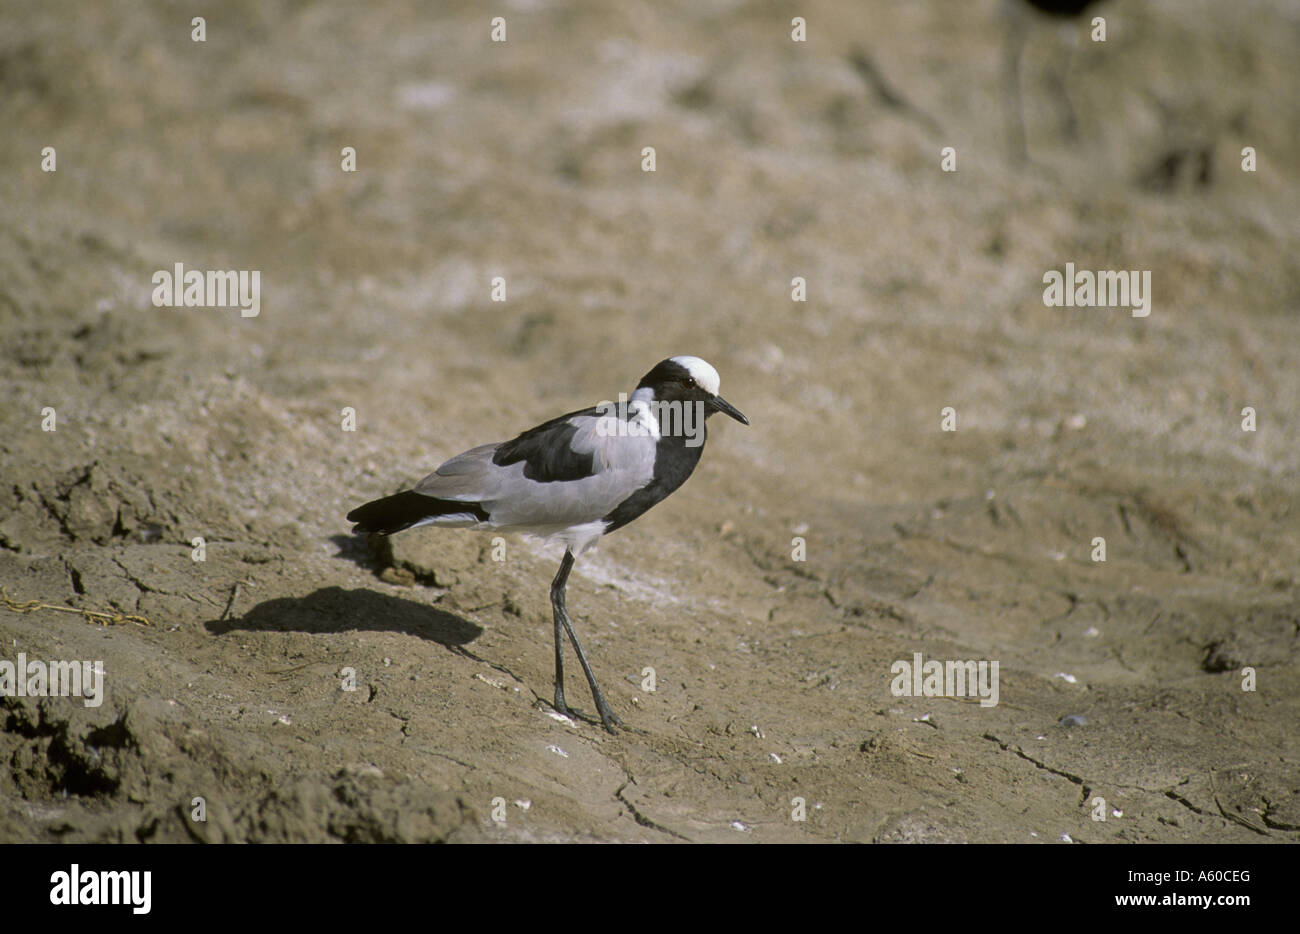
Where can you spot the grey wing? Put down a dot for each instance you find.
(464, 478)
(620, 464)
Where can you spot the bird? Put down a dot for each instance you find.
(572, 479)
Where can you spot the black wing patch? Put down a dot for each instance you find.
(547, 451)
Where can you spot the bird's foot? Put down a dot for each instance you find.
(610, 721)
(563, 709)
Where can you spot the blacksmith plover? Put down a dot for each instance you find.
(571, 479)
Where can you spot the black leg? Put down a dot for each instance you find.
(561, 615)
(607, 717)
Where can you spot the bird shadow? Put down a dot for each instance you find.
(333, 609)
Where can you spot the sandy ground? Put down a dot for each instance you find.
(1119, 680)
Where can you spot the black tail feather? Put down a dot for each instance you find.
(403, 510)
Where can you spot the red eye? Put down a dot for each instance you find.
(688, 383)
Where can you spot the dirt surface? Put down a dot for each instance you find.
(1119, 680)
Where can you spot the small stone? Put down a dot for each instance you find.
(398, 577)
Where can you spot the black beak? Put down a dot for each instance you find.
(722, 405)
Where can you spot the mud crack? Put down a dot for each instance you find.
(1006, 747)
(641, 818)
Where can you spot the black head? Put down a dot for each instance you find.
(689, 379)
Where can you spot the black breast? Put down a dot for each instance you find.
(674, 462)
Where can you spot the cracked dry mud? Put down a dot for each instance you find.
(773, 675)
